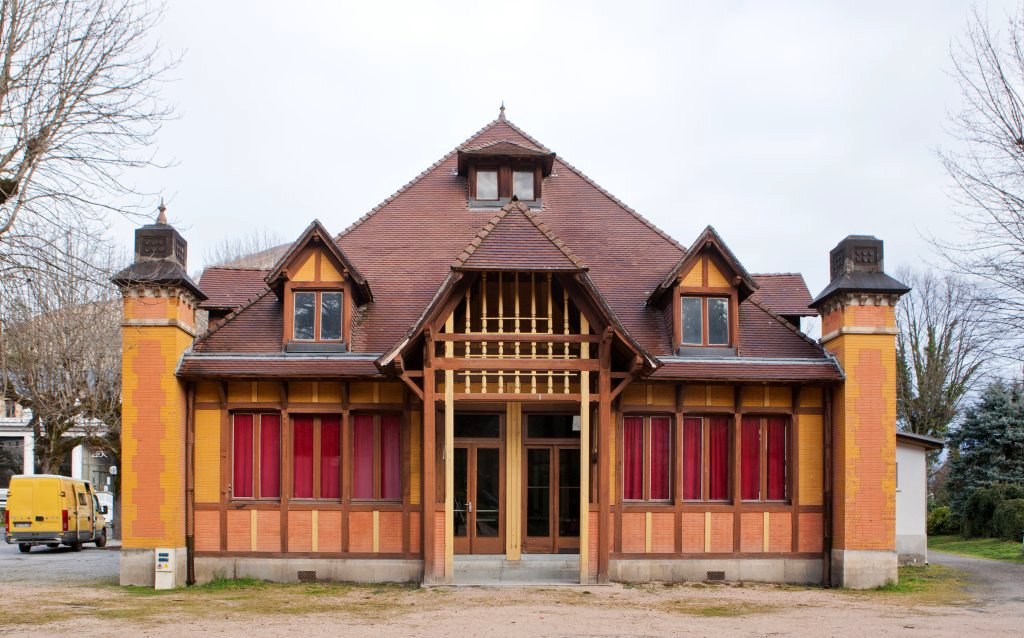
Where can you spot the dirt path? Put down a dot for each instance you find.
(992, 581)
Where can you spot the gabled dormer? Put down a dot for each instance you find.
(701, 298)
(319, 288)
(499, 170)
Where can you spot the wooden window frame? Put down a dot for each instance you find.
(705, 336)
(317, 448)
(763, 459)
(378, 453)
(257, 416)
(318, 293)
(705, 459)
(673, 458)
(505, 170)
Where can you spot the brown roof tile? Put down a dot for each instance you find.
(516, 239)
(784, 293)
(768, 370)
(284, 366)
(231, 287)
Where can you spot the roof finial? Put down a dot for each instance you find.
(162, 217)
(501, 111)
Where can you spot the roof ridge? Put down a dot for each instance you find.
(771, 313)
(358, 222)
(776, 274)
(223, 267)
(231, 316)
(561, 158)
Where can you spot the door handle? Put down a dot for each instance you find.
(469, 507)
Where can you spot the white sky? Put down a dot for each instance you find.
(787, 126)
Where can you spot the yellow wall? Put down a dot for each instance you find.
(207, 456)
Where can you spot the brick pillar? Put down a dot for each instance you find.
(859, 328)
(158, 325)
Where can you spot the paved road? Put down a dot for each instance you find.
(60, 565)
(993, 582)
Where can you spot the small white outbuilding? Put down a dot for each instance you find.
(912, 496)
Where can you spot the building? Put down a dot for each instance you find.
(912, 496)
(502, 359)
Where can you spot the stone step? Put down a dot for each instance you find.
(556, 569)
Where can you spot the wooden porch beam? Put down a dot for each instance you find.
(511, 365)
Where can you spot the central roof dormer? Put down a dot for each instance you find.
(499, 170)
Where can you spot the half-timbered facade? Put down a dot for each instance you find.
(504, 360)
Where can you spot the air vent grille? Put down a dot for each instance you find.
(307, 577)
(716, 576)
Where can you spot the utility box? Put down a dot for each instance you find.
(164, 557)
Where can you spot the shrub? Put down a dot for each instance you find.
(981, 507)
(1008, 519)
(942, 522)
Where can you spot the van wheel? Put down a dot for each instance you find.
(24, 548)
(101, 540)
(76, 546)
(53, 545)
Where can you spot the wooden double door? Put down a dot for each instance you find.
(551, 484)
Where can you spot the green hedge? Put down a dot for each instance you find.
(980, 509)
(942, 522)
(1008, 520)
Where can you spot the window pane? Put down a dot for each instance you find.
(693, 330)
(330, 457)
(304, 308)
(487, 184)
(362, 456)
(461, 471)
(390, 457)
(547, 426)
(241, 477)
(692, 455)
(776, 458)
(718, 322)
(522, 184)
(538, 492)
(568, 492)
(718, 458)
(270, 456)
(633, 458)
(330, 315)
(477, 426)
(302, 456)
(750, 459)
(660, 464)
(487, 505)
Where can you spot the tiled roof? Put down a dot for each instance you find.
(766, 334)
(282, 366)
(516, 239)
(256, 327)
(784, 294)
(231, 287)
(760, 370)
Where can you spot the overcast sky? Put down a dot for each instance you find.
(787, 126)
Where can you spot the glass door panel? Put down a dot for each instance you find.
(487, 507)
(569, 492)
(538, 492)
(461, 490)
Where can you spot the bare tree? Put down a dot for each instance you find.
(260, 248)
(78, 108)
(60, 350)
(943, 344)
(988, 168)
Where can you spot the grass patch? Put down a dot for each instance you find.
(924, 585)
(716, 609)
(992, 548)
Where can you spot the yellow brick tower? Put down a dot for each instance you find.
(859, 328)
(158, 326)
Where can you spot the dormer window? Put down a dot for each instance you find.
(705, 321)
(487, 185)
(498, 171)
(318, 315)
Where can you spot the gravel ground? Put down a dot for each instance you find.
(995, 582)
(61, 565)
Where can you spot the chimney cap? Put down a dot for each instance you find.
(857, 266)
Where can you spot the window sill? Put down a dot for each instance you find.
(316, 346)
(491, 204)
(686, 350)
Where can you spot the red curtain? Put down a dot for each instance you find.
(750, 459)
(270, 456)
(633, 458)
(390, 457)
(362, 456)
(661, 446)
(330, 457)
(776, 436)
(718, 458)
(302, 456)
(241, 479)
(692, 452)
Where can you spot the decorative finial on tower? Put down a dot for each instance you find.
(501, 111)
(162, 217)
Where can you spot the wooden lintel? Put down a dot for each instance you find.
(518, 336)
(525, 397)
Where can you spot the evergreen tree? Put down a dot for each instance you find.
(988, 446)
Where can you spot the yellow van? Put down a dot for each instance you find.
(53, 510)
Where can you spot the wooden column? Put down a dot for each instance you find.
(584, 459)
(513, 480)
(429, 497)
(449, 456)
(604, 421)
